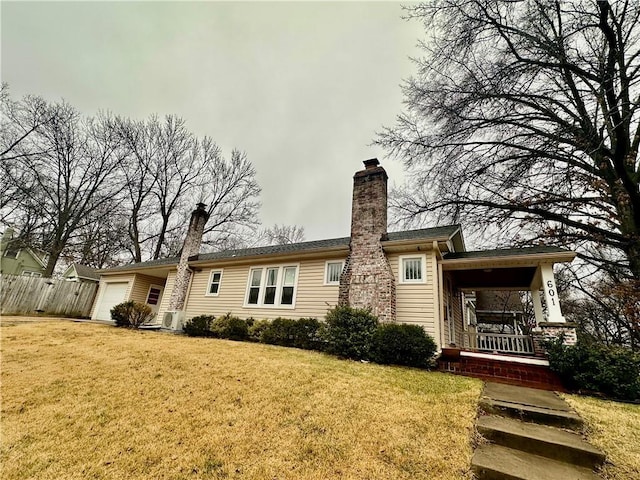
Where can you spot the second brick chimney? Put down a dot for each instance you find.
(191, 247)
(367, 280)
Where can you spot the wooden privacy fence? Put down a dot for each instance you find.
(29, 295)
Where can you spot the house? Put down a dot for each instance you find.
(418, 276)
(17, 259)
(77, 272)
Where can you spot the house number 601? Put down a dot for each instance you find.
(551, 292)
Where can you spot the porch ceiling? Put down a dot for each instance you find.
(514, 278)
(507, 269)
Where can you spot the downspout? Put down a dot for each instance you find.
(437, 295)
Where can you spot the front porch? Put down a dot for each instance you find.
(500, 339)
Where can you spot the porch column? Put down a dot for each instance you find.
(554, 314)
(537, 306)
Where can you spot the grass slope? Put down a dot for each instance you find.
(614, 428)
(87, 401)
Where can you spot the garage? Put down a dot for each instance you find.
(111, 295)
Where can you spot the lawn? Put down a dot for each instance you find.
(81, 401)
(614, 428)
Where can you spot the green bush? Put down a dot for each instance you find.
(348, 332)
(306, 334)
(279, 332)
(230, 327)
(256, 329)
(286, 332)
(131, 314)
(199, 326)
(592, 367)
(401, 344)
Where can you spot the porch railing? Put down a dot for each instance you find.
(498, 342)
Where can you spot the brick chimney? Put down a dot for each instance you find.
(190, 247)
(367, 280)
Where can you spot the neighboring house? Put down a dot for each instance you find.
(77, 272)
(417, 276)
(19, 260)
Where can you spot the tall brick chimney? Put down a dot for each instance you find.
(367, 280)
(191, 247)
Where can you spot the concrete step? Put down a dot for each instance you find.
(495, 462)
(540, 440)
(531, 413)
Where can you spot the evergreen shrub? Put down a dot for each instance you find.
(348, 332)
(401, 344)
(592, 367)
(199, 326)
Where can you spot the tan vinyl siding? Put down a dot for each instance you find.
(141, 285)
(414, 301)
(125, 277)
(312, 298)
(166, 296)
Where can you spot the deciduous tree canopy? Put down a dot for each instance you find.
(523, 116)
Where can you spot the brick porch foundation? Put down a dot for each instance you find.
(502, 371)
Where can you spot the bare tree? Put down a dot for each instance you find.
(140, 171)
(523, 118)
(63, 173)
(281, 235)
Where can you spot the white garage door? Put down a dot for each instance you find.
(112, 295)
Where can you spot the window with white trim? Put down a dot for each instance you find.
(272, 286)
(11, 251)
(28, 273)
(332, 272)
(215, 279)
(412, 269)
(153, 297)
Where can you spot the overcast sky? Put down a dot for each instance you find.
(300, 87)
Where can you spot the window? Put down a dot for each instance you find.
(332, 272)
(272, 286)
(254, 286)
(11, 251)
(153, 297)
(288, 285)
(412, 269)
(214, 283)
(27, 273)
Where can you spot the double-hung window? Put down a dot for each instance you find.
(272, 286)
(412, 269)
(215, 280)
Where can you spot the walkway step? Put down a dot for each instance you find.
(495, 462)
(530, 413)
(541, 440)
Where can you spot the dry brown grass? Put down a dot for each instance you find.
(92, 401)
(615, 429)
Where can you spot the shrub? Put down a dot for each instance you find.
(131, 314)
(612, 371)
(348, 332)
(401, 344)
(230, 327)
(257, 328)
(199, 326)
(306, 334)
(301, 333)
(279, 332)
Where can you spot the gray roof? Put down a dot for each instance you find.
(86, 272)
(506, 252)
(422, 234)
